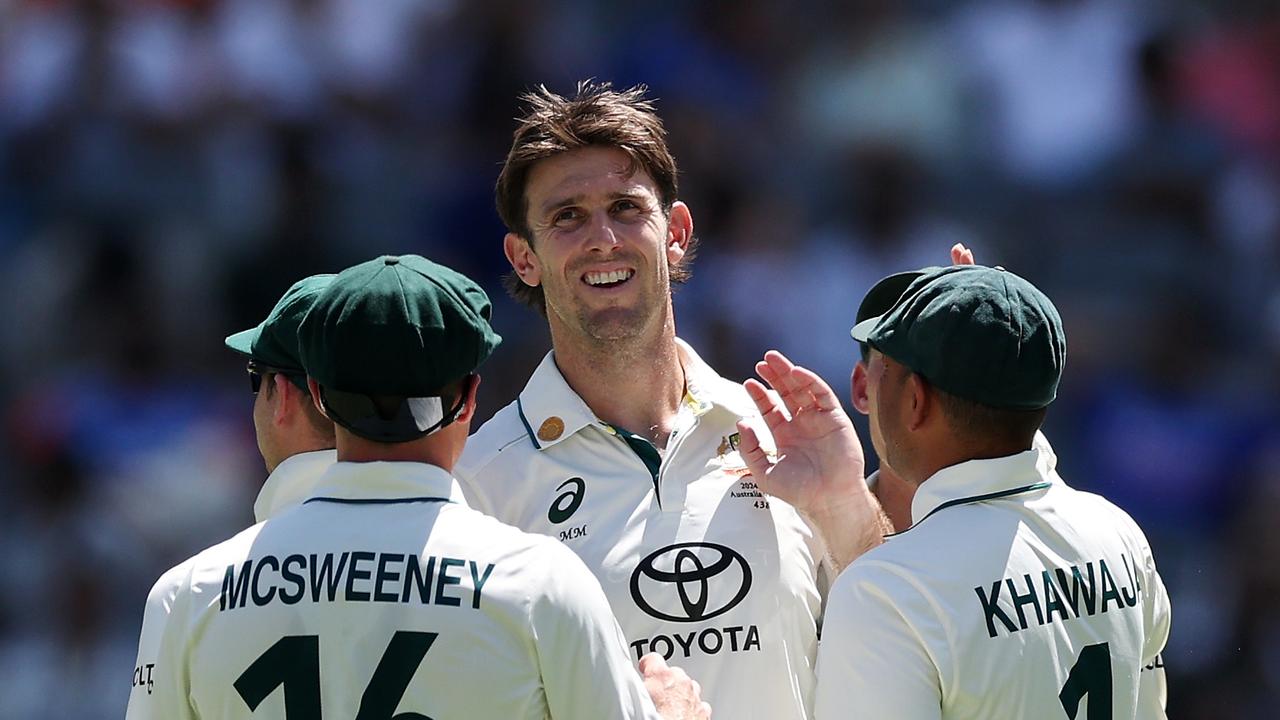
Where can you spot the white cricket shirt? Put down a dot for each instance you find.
(1011, 596)
(286, 486)
(379, 596)
(291, 482)
(697, 564)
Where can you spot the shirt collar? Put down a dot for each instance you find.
(365, 481)
(290, 482)
(551, 411)
(978, 480)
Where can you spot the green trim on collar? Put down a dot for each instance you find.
(647, 453)
(976, 498)
(376, 501)
(527, 428)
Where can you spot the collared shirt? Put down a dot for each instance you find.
(379, 596)
(291, 481)
(1012, 595)
(697, 563)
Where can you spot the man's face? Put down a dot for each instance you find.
(602, 247)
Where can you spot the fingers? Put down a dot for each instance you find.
(652, 664)
(961, 255)
(674, 693)
(752, 453)
(824, 398)
(773, 415)
(778, 371)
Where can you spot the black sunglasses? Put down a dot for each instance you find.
(258, 371)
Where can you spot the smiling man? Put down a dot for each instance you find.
(624, 444)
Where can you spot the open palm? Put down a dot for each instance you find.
(819, 457)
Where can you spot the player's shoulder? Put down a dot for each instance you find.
(881, 582)
(186, 575)
(1107, 516)
(946, 549)
(502, 434)
(166, 589)
(208, 566)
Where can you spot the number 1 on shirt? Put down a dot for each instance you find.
(1091, 675)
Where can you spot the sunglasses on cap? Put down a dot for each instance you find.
(258, 371)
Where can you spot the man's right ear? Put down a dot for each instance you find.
(522, 258)
(314, 387)
(469, 401)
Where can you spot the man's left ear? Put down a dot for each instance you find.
(679, 233)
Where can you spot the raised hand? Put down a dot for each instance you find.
(819, 456)
(819, 466)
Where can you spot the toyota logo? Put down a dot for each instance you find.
(708, 580)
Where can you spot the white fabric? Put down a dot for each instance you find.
(291, 481)
(927, 626)
(428, 607)
(651, 546)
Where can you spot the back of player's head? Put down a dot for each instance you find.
(391, 343)
(982, 334)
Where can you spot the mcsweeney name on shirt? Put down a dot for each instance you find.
(354, 576)
(1068, 592)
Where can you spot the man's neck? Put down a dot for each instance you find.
(430, 450)
(895, 496)
(633, 385)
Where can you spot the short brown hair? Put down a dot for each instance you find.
(599, 116)
(984, 424)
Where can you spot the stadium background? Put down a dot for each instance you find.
(169, 167)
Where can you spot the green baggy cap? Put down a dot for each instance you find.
(274, 342)
(979, 333)
(883, 296)
(398, 327)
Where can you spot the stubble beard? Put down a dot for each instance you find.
(620, 329)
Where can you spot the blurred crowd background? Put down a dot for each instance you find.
(169, 167)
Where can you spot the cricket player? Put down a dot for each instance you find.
(624, 445)
(893, 493)
(1011, 595)
(295, 439)
(381, 595)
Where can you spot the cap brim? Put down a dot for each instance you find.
(862, 330)
(242, 342)
(413, 418)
